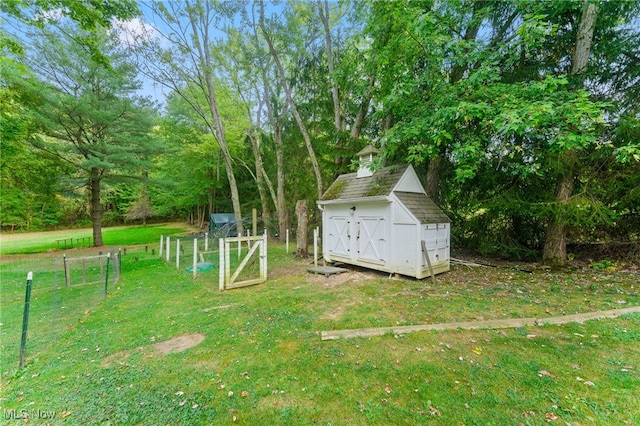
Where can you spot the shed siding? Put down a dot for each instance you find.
(404, 250)
(409, 183)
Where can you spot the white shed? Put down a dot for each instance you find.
(380, 219)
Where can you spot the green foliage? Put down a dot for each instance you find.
(91, 17)
(478, 96)
(503, 116)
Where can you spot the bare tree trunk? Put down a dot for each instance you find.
(260, 175)
(364, 108)
(555, 244)
(584, 38)
(281, 202)
(301, 234)
(96, 207)
(323, 11)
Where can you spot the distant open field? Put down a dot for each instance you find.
(37, 242)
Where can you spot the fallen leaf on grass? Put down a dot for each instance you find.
(65, 414)
(434, 411)
(244, 393)
(387, 389)
(477, 351)
(589, 383)
(550, 417)
(546, 373)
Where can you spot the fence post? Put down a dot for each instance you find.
(315, 247)
(206, 241)
(101, 264)
(263, 256)
(178, 253)
(287, 241)
(161, 245)
(119, 264)
(106, 280)
(254, 222)
(168, 249)
(67, 279)
(227, 266)
(25, 318)
(195, 258)
(221, 263)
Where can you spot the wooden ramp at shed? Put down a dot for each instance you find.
(327, 270)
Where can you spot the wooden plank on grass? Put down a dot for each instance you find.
(472, 325)
(246, 283)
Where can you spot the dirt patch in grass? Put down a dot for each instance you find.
(339, 279)
(178, 344)
(171, 346)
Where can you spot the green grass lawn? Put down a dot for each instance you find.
(92, 360)
(117, 236)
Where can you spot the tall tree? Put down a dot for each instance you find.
(555, 246)
(85, 115)
(179, 54)
(275, 109)
(268, 36)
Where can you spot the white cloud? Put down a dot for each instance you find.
(134, 31)
(52, 15)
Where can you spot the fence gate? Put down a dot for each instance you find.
(258, 247)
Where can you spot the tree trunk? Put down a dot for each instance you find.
(323, 11)
(301, 234)
(204, 47)
(281, 202)
(96, 207)
(434, 176)
(364, 108)
(584, 38)
(260, 175)
(555, 244)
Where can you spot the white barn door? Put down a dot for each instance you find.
(339, 235)
(370, 239)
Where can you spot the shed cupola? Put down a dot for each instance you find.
(365, 158)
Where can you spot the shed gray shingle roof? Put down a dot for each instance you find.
(422, 207)
(349, 186)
